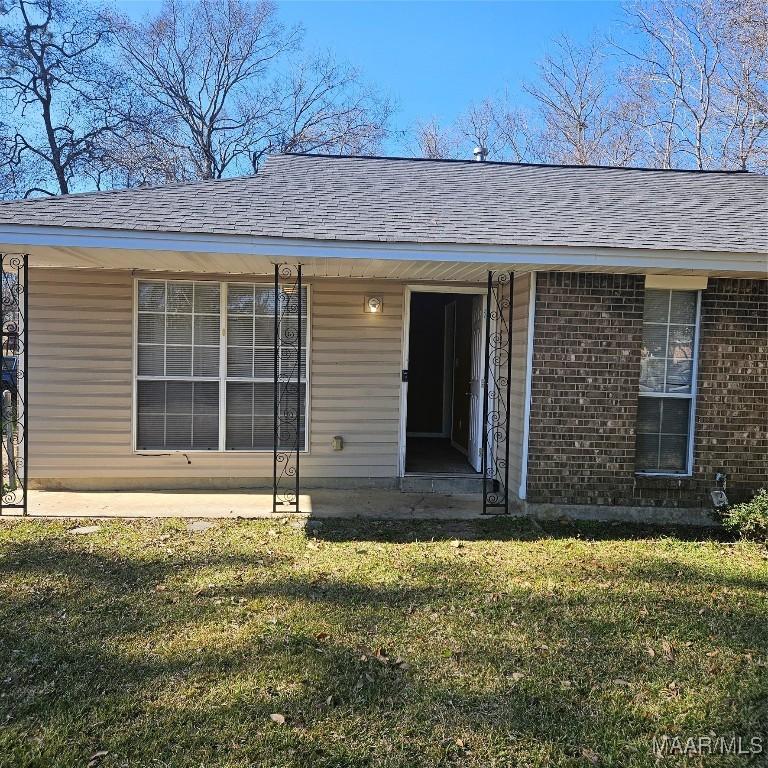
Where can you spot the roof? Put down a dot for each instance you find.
(405, 200)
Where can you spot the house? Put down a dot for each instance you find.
(617, 356)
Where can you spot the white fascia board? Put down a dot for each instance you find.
(21, 235)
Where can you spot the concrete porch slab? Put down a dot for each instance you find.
(321, 503)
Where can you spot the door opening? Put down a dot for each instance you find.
(444, 383)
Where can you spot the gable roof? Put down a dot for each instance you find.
(405, 200)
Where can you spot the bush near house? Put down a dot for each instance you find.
(147, 644)
(749, 519)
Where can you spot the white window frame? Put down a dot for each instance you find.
(222, 378)
(691, 396)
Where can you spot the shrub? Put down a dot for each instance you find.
(749, 519)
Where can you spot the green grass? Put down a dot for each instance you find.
(495, 644)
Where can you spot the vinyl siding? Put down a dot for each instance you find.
(520, 311)
(80, 365)
(81, 387)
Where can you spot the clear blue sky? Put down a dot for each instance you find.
(434, 58)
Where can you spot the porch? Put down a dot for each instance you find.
(246, 503)
(88, 375)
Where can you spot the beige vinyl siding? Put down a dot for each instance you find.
(81, 385)
(520, 313)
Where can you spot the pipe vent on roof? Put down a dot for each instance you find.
(480, 154)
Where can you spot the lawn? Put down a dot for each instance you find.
(495, 644)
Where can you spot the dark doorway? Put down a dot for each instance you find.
(439, 383)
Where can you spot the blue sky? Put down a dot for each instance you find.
(434, 58)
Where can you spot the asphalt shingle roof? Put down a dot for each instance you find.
(432, 201)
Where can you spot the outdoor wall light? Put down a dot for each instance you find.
(373, 305)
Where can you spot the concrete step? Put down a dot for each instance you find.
(445, 484)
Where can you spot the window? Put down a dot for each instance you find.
(667, 382)
(251, 367)
(195, 391)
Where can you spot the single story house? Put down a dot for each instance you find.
(636, 306)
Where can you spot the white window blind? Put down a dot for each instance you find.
(667, 382)
(251, 367)
(190, 395)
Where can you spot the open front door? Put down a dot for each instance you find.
(477, 384)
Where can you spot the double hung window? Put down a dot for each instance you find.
(205, 365)
(667, 382)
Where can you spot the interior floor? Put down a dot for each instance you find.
(435, 455)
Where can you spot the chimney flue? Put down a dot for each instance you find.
(480, 154)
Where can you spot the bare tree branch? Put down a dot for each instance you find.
(53, 74)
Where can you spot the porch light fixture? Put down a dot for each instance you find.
(373, 305)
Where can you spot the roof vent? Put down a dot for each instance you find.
(480, 154)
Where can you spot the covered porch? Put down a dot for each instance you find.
(83, 382)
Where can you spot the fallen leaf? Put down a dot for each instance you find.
(590, 755)
(667, 650)
(96, 758)
(517, 676)
(276, 717)
(621, 681)
(322, 636)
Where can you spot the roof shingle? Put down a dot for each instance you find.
(428, 201)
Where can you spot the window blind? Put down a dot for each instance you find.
(667, 373)
(181, 371)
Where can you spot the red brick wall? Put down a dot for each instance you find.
(586, 368)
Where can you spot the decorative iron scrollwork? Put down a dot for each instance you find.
(289, 388)
(498, 372)
(13, 406)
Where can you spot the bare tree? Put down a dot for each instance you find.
(697, 74)
(55, 81)
(515, 137)
(580, 114)
(202, 66)
(492, 124)
(323, 106)
(219, 73)
(744, 83)
(435, 142)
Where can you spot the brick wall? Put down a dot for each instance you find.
(732, 404)
(586, 368)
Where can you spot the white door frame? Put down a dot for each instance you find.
(427, 288)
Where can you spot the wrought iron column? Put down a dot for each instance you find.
(287, 401)
(496, 394)
(14, 452)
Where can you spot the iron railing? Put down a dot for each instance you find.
(15, 396)
(289, 397)
(496, 395)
